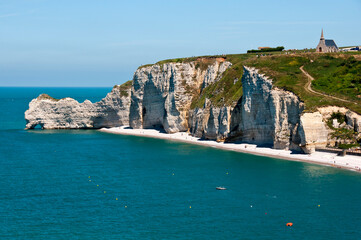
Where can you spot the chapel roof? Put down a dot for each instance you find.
(330, 43)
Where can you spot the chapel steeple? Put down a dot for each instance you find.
(322, 38)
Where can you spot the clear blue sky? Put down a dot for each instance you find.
(101, 43)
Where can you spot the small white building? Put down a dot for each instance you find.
(326, 45)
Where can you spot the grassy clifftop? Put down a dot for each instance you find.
(336, 75)
(123, 89)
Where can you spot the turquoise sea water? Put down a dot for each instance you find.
(168, 188)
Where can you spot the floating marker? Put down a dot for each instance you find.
(116, 199)
(190, 206)
(289, 224)
(319, 206)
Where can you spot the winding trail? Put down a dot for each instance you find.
(309, 89)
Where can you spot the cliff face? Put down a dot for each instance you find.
(313, 132)
(266, 115)
(210, 122)
(50, 113)
(162, 95)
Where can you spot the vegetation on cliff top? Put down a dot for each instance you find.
(45, 96)
(201, 62)
(276, 49)
(123, 89)
(228, 89)
(336, 74)
(286, 74)
(348, 136)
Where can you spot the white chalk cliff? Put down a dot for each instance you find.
(67, 113)
(161, 96)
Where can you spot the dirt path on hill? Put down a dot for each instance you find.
(309, 89)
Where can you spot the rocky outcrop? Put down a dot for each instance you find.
(210, 122)
(354, 121)
(344, 125)
(67, 113)
(162, 94)
(265, 115)
(313, 132)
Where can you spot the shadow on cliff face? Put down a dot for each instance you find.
(36, 125)
(153, 106)
(235, 133)
(109, 119)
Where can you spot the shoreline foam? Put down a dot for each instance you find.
(348, 162)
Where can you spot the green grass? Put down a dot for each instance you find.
(285, 73)
(46, 97)
(145, 65)
(337, 74)
(227, 91)
(123, 89)
(348, 146)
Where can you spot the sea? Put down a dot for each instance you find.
(86, 184)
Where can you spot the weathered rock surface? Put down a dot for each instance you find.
(354, 121)
(210, 122)
(348, 122)
(67, 113)
(162, 94)
(265, 115)
(313, 132)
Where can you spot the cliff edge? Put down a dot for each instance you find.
(211, 98)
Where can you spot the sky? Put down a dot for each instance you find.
(93, 43)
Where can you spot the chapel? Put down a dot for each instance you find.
(326, 45)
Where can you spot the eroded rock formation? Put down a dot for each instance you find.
(67, 113)
(161, 96)
(266, 115)
(210, 122)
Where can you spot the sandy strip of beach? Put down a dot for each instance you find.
(328, 159)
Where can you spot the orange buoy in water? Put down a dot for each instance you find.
(289, 224)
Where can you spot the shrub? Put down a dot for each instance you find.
(277, 49)
(341, 118)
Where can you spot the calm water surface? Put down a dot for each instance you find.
(65, 185)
